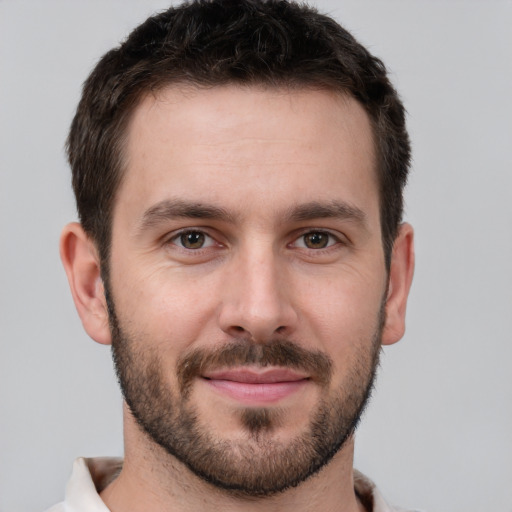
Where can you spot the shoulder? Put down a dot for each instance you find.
(370, 496)
(88, 478)
(60, 507)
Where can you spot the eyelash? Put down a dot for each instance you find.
(175, 239)
(333, 240)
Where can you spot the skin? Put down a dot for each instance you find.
(259, 155)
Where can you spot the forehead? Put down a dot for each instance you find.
(227, 144)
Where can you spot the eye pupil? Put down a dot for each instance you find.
(316, 240)
(192, 239)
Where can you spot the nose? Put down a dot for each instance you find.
(258, 298)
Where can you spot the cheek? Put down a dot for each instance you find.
(343, 313)
(164, 307)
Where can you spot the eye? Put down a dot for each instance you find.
(192, 239)
(316, 240)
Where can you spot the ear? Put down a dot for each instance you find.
(400, 279)
(81, 262)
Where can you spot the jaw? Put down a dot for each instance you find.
(150, 476)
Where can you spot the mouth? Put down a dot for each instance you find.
(256, 387)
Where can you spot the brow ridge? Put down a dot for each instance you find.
(320, 210)
(169, 209)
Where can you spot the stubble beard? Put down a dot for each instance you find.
(257, 464)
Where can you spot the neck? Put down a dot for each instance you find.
(151, 479)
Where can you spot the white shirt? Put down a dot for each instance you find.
(91, 475)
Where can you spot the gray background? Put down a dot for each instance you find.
(437, 435)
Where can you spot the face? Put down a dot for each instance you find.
(247, 279)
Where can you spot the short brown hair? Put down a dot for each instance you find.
(217, 42)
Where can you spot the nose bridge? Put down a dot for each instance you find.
(257, 301)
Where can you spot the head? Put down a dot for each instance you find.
(239, 168)
(214, 43)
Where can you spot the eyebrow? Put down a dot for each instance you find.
(332, 209)
(170, 209)
(176, 208)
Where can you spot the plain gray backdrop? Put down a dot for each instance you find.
(437, 435)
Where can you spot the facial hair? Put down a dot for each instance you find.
(258, 464)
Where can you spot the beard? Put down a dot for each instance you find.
(256, 464)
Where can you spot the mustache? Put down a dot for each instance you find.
(277, 352)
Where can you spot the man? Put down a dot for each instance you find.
(238, 168)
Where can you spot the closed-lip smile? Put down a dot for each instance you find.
(256, 386)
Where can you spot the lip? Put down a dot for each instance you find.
(256, 386)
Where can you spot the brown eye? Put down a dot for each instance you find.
(316, 240)
(192, 239)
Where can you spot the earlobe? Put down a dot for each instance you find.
(81, 263)
(400, 279)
